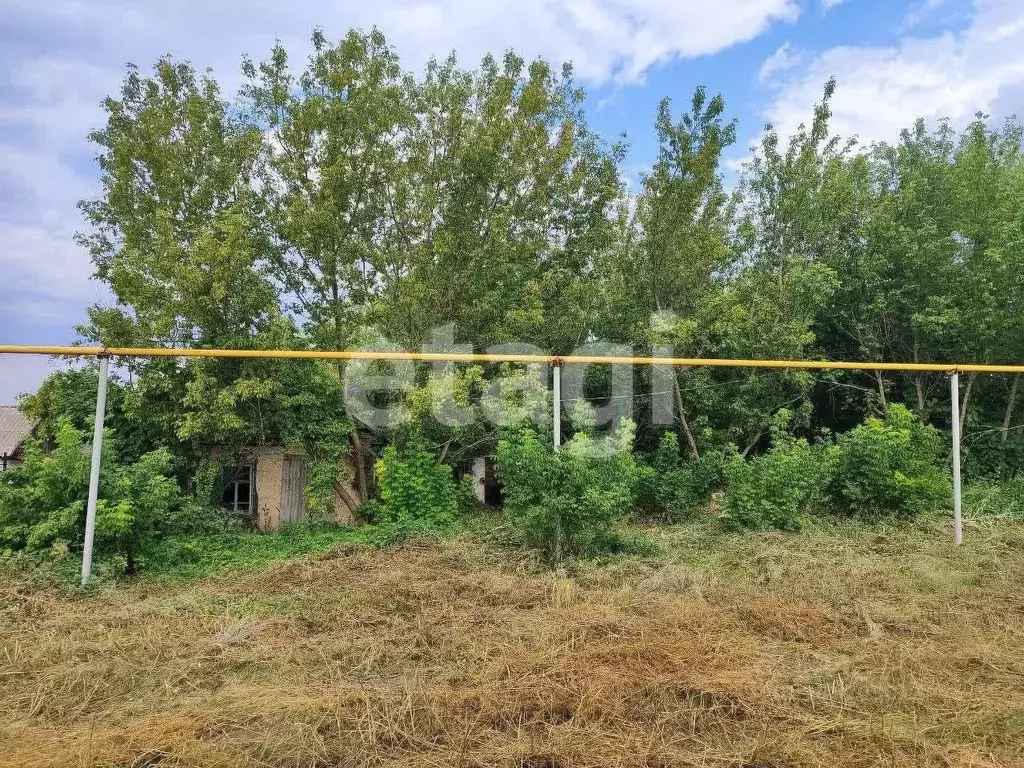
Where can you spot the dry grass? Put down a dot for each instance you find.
(834, 648)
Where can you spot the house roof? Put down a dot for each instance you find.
(14, 428)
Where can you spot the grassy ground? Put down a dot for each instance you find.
(836, 647)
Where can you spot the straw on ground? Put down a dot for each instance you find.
(840, 647)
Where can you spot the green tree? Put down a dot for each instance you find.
(175, 234)
(466, 198)
(42, 502)
(673, 250)
(570, 501)
(180, 236)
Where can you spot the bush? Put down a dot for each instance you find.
(567, 502)
(992, 498)
(43, 502)
(416, 492)
(893, 466)
(370, 511)
(781, 488)
(670, 487)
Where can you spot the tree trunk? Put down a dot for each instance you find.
(919, 386)
(347, 499)
(1010, 403)
(359, 460)
(750, 446)
(919, 389)
(966, 398)
(358, 450)
(684, 424)
(881, 389)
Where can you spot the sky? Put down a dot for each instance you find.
(894, 61)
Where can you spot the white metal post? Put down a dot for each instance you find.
(958, 524)
(556, 392)
(556, 396)
(94, 470)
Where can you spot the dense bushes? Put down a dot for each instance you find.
(780, 488)
(567, 502)
(42, 502)
(990, 456)
(671, 488)
(891, 466)
(416, 491)
(883, 467)
(573, 499)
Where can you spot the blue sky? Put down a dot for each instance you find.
(893, 60)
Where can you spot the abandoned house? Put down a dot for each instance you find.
(15, 427)
(267, 486)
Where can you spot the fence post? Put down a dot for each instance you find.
(94, 469)
(958, 524)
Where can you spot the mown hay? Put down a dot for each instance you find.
(855, 652)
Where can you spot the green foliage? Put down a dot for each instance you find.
(42, 502)
(187, 556)
(416, 492)
(672, 488)
(350, 193)
(371, 511)
(68, 395)
(567, 502)
(990, 456)
(995, 498)
(781, 488)
(466, 492)
(136, 504)
(883, 467)
(180, 251)
(892, 466)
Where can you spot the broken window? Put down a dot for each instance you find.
(239, 485)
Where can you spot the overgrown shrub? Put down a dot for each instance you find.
(416, 492)
(892, 466)
(43, 502)
(778, 489)
(671, 487)
(567, 502)
(370, 511)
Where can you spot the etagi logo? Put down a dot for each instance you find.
(507, 394)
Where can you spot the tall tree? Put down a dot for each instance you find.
(784, 238)
(178, 236)
(673, 251)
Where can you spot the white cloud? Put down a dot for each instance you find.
(828, 5)
(924, 11)
(881, 90)
(35, 260)
(785, 58)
